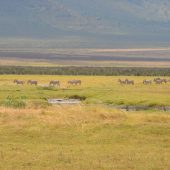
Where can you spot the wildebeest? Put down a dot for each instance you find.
(54, 83)
(147, 82)
(74, 82)
(32, 82)
(19, 82)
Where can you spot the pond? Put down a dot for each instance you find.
(64, 101)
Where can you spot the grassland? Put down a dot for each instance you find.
(94, 89)
(89, 136)
(83, 137)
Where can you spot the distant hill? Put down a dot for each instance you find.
(98, 20)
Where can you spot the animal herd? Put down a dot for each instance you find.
(79, 82)
(145, 82)
(51, 83)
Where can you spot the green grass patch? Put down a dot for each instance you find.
(94, 89)
(14, 102)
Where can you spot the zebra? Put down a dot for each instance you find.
(147, 82)
(32, 82)
(129, 82)
(74, 82)
(164, 81)
(122, 81)
(158, 81)
(19, 82)
(54, 82)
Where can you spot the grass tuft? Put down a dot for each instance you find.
(14, 102)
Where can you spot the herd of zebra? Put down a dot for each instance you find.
(146, 82)
(51, 83)
(79, 82)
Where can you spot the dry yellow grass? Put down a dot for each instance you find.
(87, 136)
(83, 137)
(63, 115)
(80, 114)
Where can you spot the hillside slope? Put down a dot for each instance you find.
(105, 19)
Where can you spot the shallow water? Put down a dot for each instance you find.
(140, 108)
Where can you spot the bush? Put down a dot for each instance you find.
(77, 97)
(105, 71)
(14, 103)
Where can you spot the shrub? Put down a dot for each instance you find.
(77, 97)
(14, 103)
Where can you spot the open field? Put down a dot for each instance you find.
(83, 137)
(94, 89)
(91, 135)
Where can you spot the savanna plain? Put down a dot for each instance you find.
(90, 135)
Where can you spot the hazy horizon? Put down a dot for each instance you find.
(85, 24)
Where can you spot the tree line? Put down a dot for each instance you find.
(98, 71)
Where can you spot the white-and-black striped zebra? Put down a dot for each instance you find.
(32, 82)
(19, 82)
(55, 83)
(74, 82)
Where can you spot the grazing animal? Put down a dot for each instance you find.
(146, 82)
(74, 82)
(19, 82)
(32, 82)
(122, 81)
(130, 82)
(164, 81)
(158, 81)
(54, 83)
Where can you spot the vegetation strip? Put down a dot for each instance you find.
(105, 71)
